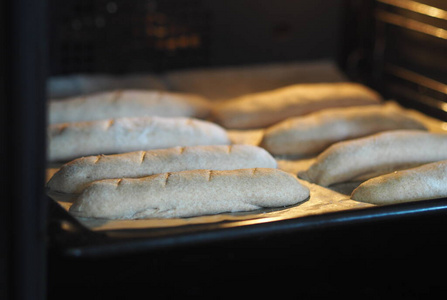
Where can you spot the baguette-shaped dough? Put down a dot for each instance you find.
(74, 176)
(426, 182)
(127, 103)
(72, 140)
(189, 193)
(311, 134)
(263, 109)
(374, 155)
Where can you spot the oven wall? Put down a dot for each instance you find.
(94, 36)
(258, 31)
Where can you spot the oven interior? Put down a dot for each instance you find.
(397, 47)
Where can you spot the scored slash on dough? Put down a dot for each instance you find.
(143, 156)
(209, 175)
(182, 149)
(118, 183)
(111, 122)
(166, 179)
(62, 128)
(97, 159)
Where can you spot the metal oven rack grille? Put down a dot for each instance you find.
(410, 53)
(399, 47)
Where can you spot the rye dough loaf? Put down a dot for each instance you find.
(313, 133)
(264, 109)
(374, 155)
(189, 193)
(127, 103)
(67, 141)
(74, 176)
(426, 182)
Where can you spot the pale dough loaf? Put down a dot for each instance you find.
(311, 134)
(72, 140)
(375, 155)
(127, 103)
(74, 176)
(189, 193)
(263, 109)
(421, 183)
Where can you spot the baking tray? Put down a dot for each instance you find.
(326, 207)
(71, 238)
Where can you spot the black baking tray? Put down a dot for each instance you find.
(70, 238)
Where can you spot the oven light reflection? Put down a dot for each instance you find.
(418, 8)
(252, 221)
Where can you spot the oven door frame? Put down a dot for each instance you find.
(23, 209)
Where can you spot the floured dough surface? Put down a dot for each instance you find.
(189, 193)
(426, 182)
(313, 133)
(67, 141)
(74, 176)
(375, 155)
(264, 109)
(127, 103)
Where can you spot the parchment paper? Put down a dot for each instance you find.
(322, 200)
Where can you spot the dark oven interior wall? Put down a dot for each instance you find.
(118, 36)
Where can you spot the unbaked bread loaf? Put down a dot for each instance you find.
(127, 103)
(374, 155)
(74, 176)
(420, 183)
(263, 109)
(67, 141)
(311, 134)
(189, 193)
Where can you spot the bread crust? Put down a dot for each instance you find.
(67, 141)
(374, 155)
(311, 134)
(260, 110)
(74, 176)
(189, 193)
(421, 183)
(127, 103)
